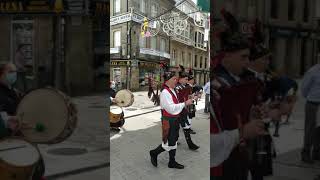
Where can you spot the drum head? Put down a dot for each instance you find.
(18, 153)
(115, 114)
(115, 110)
(124, 98)
(45, 111)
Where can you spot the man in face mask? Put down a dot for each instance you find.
(8, 96)
(9, 101)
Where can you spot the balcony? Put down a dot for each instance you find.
(154, 52)
(182, 39)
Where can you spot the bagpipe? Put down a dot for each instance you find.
(154, 96)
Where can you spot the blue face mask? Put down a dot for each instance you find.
(11, 78)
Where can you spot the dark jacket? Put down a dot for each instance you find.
(8, 103)
(9, 100)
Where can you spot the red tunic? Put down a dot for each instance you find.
(234, 102)
(175, 100)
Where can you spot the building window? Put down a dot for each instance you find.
(117, 38)
(205, 63)
(200, 62)
(142, 42)
(174, 57)
(116, 6)
(274, 9)
(154, 10)
(252, 9)
(291, 10)
(306, 11)
(189, 60)
(303, 55)
(183, 58)
(153, 42)
(143, 6)
(163, 45)
(195, 38)
(195, 61)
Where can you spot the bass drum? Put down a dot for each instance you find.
(124, 98)
(18, 159)
(47, 116)
(116, 117)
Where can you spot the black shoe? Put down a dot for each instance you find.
(174, 164)
(192, 146)
(276, 134)
(115, 129)
(191, 131)
(154, 159)
(305, 157)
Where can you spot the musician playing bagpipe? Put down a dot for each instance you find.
(184, 92)
(171, 110)
(238, 104)
(196, 92)
(260, 149)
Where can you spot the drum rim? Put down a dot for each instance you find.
(21, 138)
(67, 102)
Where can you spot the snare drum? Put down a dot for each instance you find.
(116, 116)
(18, 159)
(124, 98)
(49, 115)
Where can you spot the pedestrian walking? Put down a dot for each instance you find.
(310, 89)
(206, 90)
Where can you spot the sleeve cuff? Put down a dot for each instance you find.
(5, 118)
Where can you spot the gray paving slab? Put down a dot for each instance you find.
(130, 150)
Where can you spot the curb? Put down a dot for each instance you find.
(126, 117)
(77, 171)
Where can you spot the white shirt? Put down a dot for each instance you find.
(207, 88)
(221, 146)
(166, 102)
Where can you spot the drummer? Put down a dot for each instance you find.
(7, 124)
(112, 94)
(9, 101)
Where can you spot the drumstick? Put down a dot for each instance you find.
(12, 148)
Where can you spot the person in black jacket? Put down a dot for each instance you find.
(9, 101)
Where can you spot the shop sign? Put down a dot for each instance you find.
(282, 32)
(32, 6)
(122, 18)
(120, 63)
(148, 65)
(285, 32)
(101, 8)
(154, 52)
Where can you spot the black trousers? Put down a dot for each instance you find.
(310, 126)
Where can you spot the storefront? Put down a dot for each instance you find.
(119, 70)
(148, 70)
